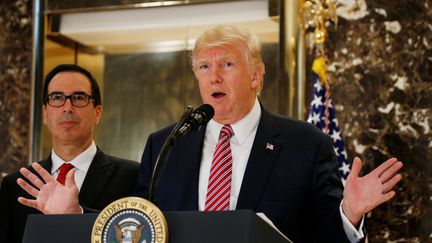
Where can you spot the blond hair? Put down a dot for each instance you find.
(233, 35)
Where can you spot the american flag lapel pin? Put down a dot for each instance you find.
(269, 146)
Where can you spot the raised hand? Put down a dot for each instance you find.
(362, 194)
(51, 197)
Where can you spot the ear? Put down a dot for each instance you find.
(256, 78)
(98, 113)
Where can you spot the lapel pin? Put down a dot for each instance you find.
(269, 146)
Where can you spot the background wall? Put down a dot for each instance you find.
(15, 83)
(381, 69)
(380, 66)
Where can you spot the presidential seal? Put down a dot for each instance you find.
(130, 220)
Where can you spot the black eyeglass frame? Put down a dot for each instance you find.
(71, 97)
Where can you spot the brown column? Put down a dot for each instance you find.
(15, 83)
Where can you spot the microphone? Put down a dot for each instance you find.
(189, 122)
(186, 113)
(200, 116)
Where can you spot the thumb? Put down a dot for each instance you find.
(356, 167)
(70, 178)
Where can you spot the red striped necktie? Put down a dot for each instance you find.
(219, 185)
(64, 169)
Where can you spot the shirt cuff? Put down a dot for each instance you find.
(351, 232)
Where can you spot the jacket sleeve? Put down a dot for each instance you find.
(145, 172)
(327, 190)
(5, 214)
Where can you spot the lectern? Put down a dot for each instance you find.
(242, 226)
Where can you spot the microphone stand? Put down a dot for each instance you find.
(163, 154)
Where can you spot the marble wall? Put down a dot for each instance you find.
(15, 83)
(381, 72)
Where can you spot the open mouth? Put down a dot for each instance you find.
(218, 95)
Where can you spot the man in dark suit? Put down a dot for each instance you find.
(71, 109)
(276, 165)
(248, 158)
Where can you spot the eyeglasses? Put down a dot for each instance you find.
(77, 99)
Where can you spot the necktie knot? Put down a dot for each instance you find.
(64, 169)
(226, 132)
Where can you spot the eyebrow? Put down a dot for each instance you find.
(223, 58)
(61, 92)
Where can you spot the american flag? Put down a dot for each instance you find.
(322, 114)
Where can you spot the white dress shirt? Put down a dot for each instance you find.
(81, 163)
(241, 145)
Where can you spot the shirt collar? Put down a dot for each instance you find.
(81, 162)
(241, 129)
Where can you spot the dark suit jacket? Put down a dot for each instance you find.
(108, 178)
(295, 184)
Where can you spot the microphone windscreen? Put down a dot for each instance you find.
(207, 110)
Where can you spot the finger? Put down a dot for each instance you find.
(36, 181)
(28, 202)
(391, 171)
(391, 183)
(356, 167)
(384, 166)
(27, 187)
(70, 178)
(387, 196)
(47, 177)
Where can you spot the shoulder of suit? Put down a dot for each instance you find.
(121, 162)
(164, 131)
(10, 177)
(16, 174)
(292, 125)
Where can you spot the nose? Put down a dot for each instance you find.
(215, 75)
(67, 107)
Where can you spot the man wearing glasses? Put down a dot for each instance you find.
(71, 108)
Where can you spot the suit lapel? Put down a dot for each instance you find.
(193, 145)
(96, 178)
(263, 156)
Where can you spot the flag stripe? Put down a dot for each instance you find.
(322, 115)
